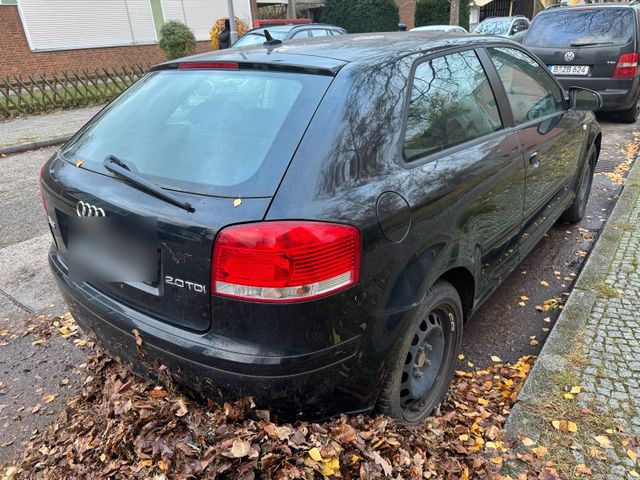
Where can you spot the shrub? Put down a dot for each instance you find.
(218, 26)
(357, 16)
(177, 40)
(436, 12)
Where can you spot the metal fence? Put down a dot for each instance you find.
(20, 95)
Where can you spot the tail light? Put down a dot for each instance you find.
(627, 66)
(285, 261)
(208, 66)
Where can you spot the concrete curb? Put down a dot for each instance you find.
(568, 331)
(23, 147)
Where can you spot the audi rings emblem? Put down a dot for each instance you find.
(569, 56)
(84, 209)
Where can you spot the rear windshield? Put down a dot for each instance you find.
(255, 38)
(215, 132)
(575, 27)
(494, 26)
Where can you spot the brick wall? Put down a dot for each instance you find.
(16, 58)
(407, 10)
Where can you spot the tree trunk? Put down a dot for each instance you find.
(454, 13)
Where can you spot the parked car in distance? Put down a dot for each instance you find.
(440, 28)
(502, 26)
(288, 32)
(594, 46)
(311, 224)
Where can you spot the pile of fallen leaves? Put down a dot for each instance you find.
(121, 426)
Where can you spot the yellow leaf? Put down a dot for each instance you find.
(546, 319)
(524, 298)
(544, 283)
(572, 427)
(483, 401)
(38, 342)
(237, 202)
(464, 437)
(603, 440)
(568, 396)
(575, 390)
(634, 473)
(490, 445)
(103, 457)
(80, 342)
(540, 451)
(527, 442)
(314, 453)
(79, 163)
(145, 463)
(496, 460)
(632, 455)
(461, 357)
(496, 359)
(162, 465)
(582, 469)
(556, 424)
(49, 398)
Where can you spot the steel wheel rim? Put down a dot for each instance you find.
(424, 361)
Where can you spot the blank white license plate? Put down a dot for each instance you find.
(570, 69)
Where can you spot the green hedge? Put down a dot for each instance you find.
(177, 40)
(357, 16)
(436, 12)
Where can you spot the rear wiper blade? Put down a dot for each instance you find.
(588, 44)
(117, 166)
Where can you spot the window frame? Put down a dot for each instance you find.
(501, 88)
(502, 104)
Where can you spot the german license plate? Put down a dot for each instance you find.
(569, 69)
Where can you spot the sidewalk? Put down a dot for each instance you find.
(581, 401)
(42, 130)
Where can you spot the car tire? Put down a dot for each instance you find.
(578, 207)
(423, 361)
(630, 115)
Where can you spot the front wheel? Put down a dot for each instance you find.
(423, 362)
(578, 208)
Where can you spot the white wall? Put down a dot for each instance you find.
(199, 15)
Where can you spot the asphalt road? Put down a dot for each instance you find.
(506, 326)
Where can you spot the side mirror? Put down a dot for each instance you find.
(584, 99)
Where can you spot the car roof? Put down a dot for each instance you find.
(585, 6)
(334, 52)
(291, 26)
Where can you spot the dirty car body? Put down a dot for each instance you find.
(347, 155)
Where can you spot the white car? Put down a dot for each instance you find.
(439, 28)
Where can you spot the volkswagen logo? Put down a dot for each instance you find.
(84, 209)
(569, 56)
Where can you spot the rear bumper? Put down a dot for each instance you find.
(616, 94)
(312, 386)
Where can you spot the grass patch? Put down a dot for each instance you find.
(605, 290)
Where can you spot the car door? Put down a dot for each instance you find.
(551, 138)
(454, 131)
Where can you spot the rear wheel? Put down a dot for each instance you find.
(578, 208)
(424, 360)
(630, 115)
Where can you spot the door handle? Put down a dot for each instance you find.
(534, 160)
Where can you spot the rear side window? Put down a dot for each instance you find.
(451, 103)
(216, 132)
(531, 91)
(576, 27)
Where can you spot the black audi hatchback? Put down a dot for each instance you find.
(311, 224)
